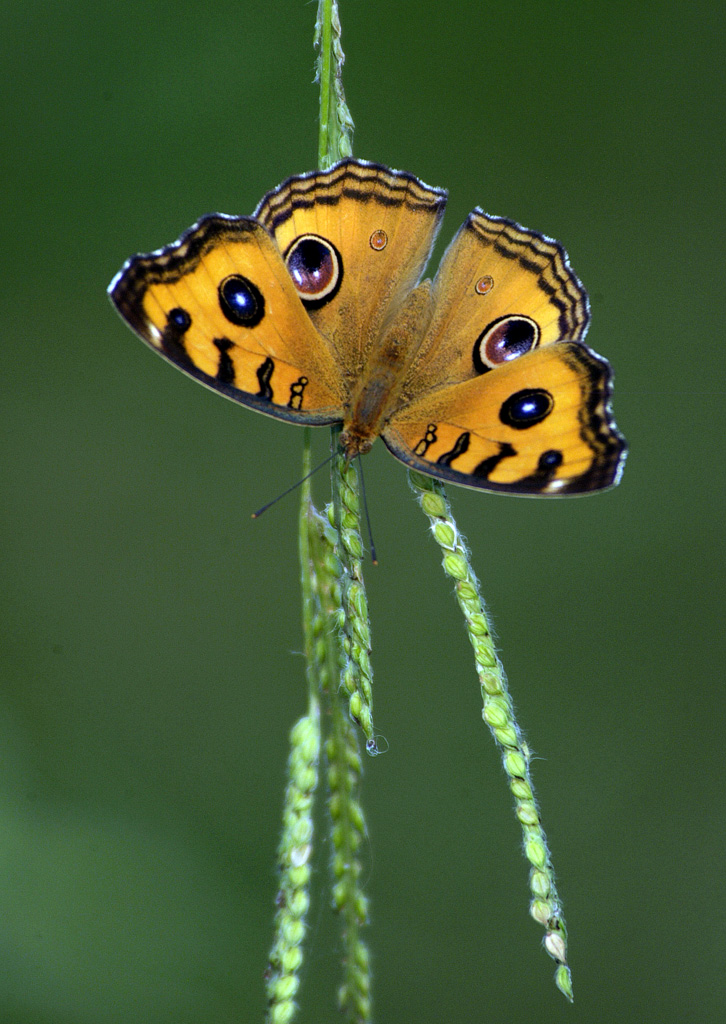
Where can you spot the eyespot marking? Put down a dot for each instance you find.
(504, 339)
(378, 240)
(526, 408)
(549, 460)
(171, 339)
(179, 318)
(241, 301)
(484, 285)
(316, 269)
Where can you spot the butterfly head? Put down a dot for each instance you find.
(354, 442)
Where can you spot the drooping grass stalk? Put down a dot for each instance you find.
(344, 776)
(296, 841)
(336, 653)
(498, 713)
(355, 628)
(343, 598)
(335, 142)
(294, 852)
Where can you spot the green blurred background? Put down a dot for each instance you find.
(150, 629)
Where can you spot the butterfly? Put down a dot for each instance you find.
(313, 310)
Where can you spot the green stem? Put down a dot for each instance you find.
(295, 849)
(344, 777)
(339, 549)
(334, 141)
(357, 678)
(323, 38)
(498, 713)
(307, 571)
(336, 125)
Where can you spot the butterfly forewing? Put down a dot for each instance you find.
(382, 225)
(501, 290)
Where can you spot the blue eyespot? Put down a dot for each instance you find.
(241, 301)
(526, 408)
(550, 460)
(179, 318)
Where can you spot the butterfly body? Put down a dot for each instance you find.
(379, 390)
(313, 310)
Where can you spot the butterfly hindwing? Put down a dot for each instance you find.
(539, 424)
(220, 304)
(378, 225)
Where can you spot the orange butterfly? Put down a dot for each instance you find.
(312, 310)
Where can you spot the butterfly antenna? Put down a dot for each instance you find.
(374, 558)
(258, 513)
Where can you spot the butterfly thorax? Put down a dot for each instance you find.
(378, 390)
